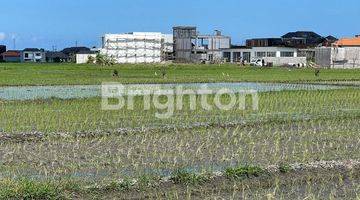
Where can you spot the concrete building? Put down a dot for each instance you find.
(189, 46)
(184, 39)
(11, 56)
(138, 47)
(57, 57)
(33, 55)
(72, 51)
(83, 57)
(345, 53)
(277, 56)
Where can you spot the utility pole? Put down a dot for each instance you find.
(14, 43)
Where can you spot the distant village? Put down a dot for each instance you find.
(187, 45)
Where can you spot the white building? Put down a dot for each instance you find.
(33, 55)
(137, 47)
(83, 58)
(276, 55)
(344, 53)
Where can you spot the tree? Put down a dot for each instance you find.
(91, 60)
(104, 60)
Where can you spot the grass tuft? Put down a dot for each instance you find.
(28, 189)
(187, 178)
(244, 171)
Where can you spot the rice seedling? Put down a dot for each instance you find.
(66, 148)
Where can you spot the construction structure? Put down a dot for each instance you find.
(345, 53)
(190, 46)
(137, 47)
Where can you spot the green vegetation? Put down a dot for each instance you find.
(71, 74)
(84, 115)
(187, 178)
(246, 171)
(71, 149)
(284, 168)
(29, 189)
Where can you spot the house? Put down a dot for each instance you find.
(190, 46)
(11, 56)
(348, 42)
(33, 55)
(302, 39)
(72, 51)
(298, 39)
(57, 57)
(344, 53)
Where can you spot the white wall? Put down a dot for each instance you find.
(278, 60)
(338, 57)
(83, 58)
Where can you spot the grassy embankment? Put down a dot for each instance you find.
(72, 74)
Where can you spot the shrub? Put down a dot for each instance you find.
(245, 171)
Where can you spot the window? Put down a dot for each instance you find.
(260, 54)
(26, 55)
(271, 54)
(287, 54)
(38, 54)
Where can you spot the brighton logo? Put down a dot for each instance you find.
(154, 95)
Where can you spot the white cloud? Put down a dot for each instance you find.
(2, 36)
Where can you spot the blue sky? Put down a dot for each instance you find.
(44, 23)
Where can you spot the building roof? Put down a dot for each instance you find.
(56, 54)
(75, 50)
(348, 42)
(11, 53)
(302, 34)
(88, 52)
(33, 49)
(331, 38)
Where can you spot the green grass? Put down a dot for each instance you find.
(100, 163)
(12, 74)
(184, 177)
(29, 189)
(245, 171)
(86, 115)
(297, 126)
